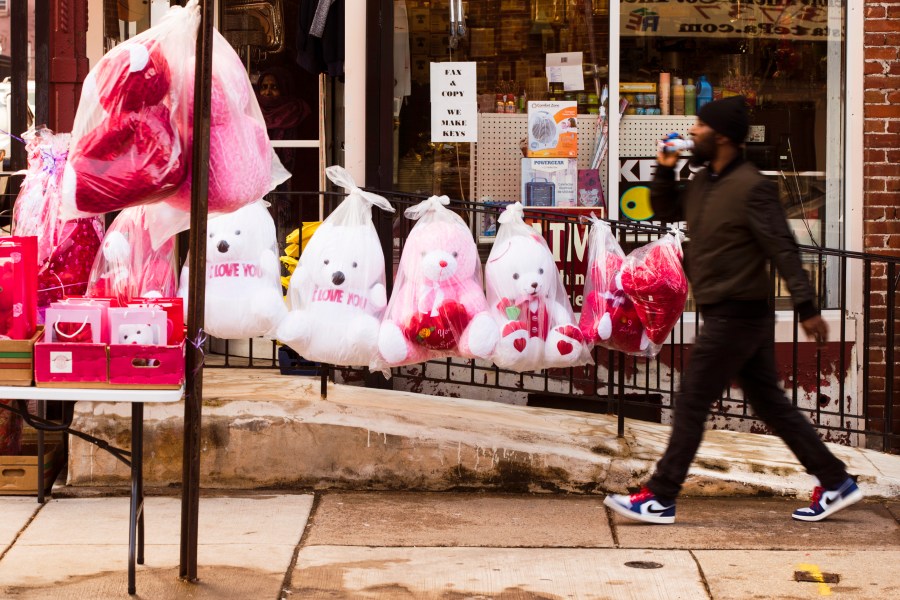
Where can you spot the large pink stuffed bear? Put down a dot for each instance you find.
(130, 151)
(438, 307)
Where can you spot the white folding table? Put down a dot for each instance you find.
(133, 458)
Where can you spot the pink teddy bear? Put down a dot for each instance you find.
(438, 307)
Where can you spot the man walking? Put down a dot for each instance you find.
(736, 224)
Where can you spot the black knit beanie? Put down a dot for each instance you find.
(727, 117)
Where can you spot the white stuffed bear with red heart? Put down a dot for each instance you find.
(528, 301)
(438, 307)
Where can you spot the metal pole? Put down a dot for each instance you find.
(19, 92)
(190, 479)
(42, 62)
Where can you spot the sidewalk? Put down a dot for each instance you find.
(448, 546)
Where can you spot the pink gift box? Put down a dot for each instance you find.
(60, 363)
(149, 363)
(174, 308)
(102, 304)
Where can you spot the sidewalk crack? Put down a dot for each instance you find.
(22, 530)
(289, 574)
(702, 575)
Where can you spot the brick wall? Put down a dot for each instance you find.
(881, 197)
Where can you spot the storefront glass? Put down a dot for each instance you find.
(786, 56)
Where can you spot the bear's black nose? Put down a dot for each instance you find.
(534, 284)
(223, 246)
(337, 278)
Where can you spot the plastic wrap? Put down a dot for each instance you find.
(127, 266)
(608, 316)
(243, 286)
(652, 276)
(128, 143)
(337, 294)
(632, 303)
(528, 301)
(438, 307)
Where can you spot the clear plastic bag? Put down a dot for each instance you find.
(608, 316)
(127, 266)
(528, 301)
(65, 249)
(128, 144)
(337, 294)
(632, 302)
(243, 286)
(437, 307)
(652, 276)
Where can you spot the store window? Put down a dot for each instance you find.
(787, 58)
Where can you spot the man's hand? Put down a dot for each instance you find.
(667, 159)
(816, 329)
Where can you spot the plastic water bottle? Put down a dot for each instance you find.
(675, 143)
(704, 92)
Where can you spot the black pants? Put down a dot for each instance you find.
(741, 348)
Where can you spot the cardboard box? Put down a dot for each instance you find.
(590, 189)
(19, 474)
(637, 87)
(552, 129)
(17, 360)
(549, 182)
(133, 366)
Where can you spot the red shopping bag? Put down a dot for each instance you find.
(18, 287)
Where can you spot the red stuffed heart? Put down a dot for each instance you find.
(656, 283)
(519, 344)
(441, 331)
(564, 347)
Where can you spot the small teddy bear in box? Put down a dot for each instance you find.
(438, 306)
(528, 301)
(243, 290)
(126, 149)
(141, 334)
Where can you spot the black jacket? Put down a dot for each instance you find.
(736, 225)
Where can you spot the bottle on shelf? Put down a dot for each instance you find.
(677, 97)
(664, 106)
(704, 92)
(690, 98)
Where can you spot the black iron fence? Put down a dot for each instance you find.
(848, 388)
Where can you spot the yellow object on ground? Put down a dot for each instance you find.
(295, 244)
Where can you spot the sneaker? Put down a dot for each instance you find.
(643, 506)
(827, 502)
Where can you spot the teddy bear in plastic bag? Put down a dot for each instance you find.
(337, 293)
(438, 307)
(608, 316)
(128, 267)
(528, 301)
(243, 289)
(127, 146)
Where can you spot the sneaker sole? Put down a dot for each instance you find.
(629, 514)
(844, 502)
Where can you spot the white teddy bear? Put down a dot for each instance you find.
(140, 334)
(527, 299)
(337, 296)
(243, 289)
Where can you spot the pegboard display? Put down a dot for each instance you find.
(496, 157)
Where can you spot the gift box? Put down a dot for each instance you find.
(552, 129)
(18, 287)
(549, 181)
(139, 355)
(590, 189)
(174, 309)
(59, 360)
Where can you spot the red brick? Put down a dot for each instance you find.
(873, 213)
(882, 170)
(891, 96)
(881, 26)
(874, 185)
(875, 155)
(875, 12)
(876, 126)
(875, 68)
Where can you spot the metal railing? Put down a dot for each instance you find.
(848, 389)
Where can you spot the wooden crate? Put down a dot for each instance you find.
(19, 474)
(17, 360)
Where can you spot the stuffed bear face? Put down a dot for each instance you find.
(439, 251)
(239, 236)
(116, 247)
(140, 334)
(343, 257)
(524, 268)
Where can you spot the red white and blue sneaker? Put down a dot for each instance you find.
(643, 506)
(827, 502)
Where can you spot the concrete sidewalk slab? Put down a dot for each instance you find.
(81, 545)
(467, 519)
(16, 512)
(763, 523)
(492, 573)
(742, 574)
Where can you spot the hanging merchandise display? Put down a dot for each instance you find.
(133, 131)
(127, 266)
(18, 287)
(65, 249)
(243, 286)
(437, 307)
(632, 303)
(528, 301)
(337, 293)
